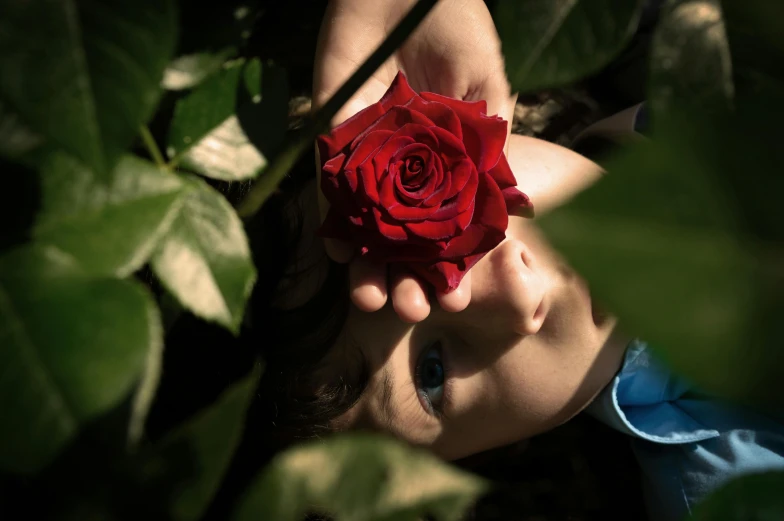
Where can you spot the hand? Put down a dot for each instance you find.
(455, 52)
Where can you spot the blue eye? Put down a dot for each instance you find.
(430, 377)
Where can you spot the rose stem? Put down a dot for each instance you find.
(295, 146)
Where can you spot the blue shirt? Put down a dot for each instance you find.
(687, 444)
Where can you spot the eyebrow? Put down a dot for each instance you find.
(387, 390)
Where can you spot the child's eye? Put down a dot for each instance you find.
(430, 376)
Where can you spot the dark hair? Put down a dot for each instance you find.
(307, 382)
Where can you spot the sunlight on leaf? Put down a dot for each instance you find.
(225, 153)
(204, 259)
(690, 57)
(111, 228)
(186, 72)
(359, 477)
(16, 139)
(148, 385)
(228, 126)
(58, 369)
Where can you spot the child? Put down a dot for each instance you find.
(530, 351)
(527, 351)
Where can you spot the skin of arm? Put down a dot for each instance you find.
(548, 173)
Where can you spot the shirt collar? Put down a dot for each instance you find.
(642, 401)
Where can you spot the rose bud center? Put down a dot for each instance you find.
(412, 172)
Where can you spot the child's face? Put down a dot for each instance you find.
(526, 355)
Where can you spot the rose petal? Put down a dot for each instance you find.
(448, 145)
(413, 150)
(418, 133)
(502, 173)
(363, 169)
(461, 172)
(464, 219)
(334, 166)
(340, 136)
(490, 207)
(433, 230)
(517, 202)
(483, 136)
(476, 238)
(398, 118)
(436, 180)
(440, 114)
(445, 276)
(383, 157)
(401, 212)
(488, 226)
(388, 229)
(386, 190)
(337, 190)
(459, 204)
(399, 92)
(368, 184)
(443, 230)
(367, 147)
(416, 197)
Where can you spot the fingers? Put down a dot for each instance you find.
(367, 284)
(409, 297)
(349, 33)
(368, 289)
(458, 299)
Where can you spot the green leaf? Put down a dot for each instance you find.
(690, 57)
(681, 242)
(211, 439)
(204, 259)
(85, 74)
(755, 497)
(145, 391)
(550, 43)
(229, 125)
(73, 346)
(185, 72)
(111, 228)
(16, 139)
(359, 477)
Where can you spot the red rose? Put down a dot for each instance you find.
(420, 180)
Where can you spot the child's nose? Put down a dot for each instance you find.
(508, 290)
